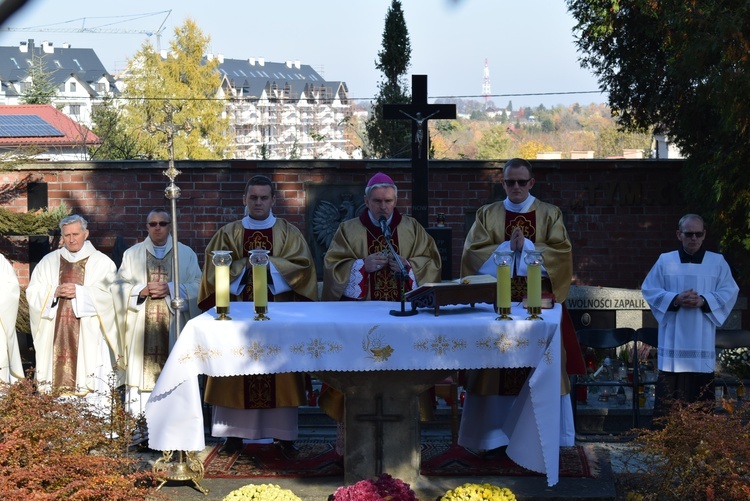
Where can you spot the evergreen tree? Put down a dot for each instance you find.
(41, 89)
(190, 85)
(391, 138)
(117, 142)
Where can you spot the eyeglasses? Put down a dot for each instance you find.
(691, 234)
(154, 224)
(519, 182)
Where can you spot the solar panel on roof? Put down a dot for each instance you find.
(26, 126)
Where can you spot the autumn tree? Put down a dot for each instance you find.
(682, 67)
(494, 144)
(188, 84)
(391, 138)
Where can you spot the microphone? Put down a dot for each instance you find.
(384, 227)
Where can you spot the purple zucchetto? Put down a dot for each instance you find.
(380, 178)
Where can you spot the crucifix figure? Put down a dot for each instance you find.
(419, 111)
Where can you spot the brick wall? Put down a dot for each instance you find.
(621, 214)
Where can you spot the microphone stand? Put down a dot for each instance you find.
(402, 275)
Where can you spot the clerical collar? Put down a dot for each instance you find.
(520, 208)
(84, 252)
(694, 258)
(254, 224)
(159, 250)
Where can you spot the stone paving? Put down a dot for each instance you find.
(606, 448)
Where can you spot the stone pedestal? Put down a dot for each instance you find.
(382, 421)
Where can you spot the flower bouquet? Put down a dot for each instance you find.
(262, 492)
(479, 492)
(384, 488)
(736, 361)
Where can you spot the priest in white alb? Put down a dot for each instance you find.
(73, 318)
(11, 368)
(143, 295)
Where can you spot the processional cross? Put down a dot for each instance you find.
(419, 111)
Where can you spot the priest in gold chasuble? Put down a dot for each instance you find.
(264, 406)
(143, 295)
(358, 264)
(72, 317)
(520, 222)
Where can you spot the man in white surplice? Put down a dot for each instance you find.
(73, 319)
(143, 295)
(11, 368)
(691, 292)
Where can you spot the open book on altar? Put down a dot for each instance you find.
(470, 290)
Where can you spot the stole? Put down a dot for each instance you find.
(67, 330)
(158, 322)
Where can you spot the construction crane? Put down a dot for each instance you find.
(105, 27)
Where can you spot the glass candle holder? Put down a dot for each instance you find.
(221, 260)
(534, 261)
(504, 262)
(259, 262)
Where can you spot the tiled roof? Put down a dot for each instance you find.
(60, 63)
(74, 134)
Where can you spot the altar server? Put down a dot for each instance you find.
(691, 292)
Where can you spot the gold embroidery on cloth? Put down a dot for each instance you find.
(503, 343)
(158, 322)
(257, 351)
(374, 344)
(67, 329)
(200, 353)
(440, 345)
(316, 348)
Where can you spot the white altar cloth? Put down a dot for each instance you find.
(362, 336)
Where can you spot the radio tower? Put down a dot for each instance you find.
(486, 83)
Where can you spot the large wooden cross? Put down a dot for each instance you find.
(419, 111)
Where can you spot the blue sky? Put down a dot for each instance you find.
(528, 43)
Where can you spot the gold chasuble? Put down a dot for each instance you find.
(158, 320)
(542, 225)
(383, 286)
(527, 223)
(266, 391)
(67, 329)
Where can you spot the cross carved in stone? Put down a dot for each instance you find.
(379, 418)
(419, 111)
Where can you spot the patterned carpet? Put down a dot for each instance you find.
(317, 458)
